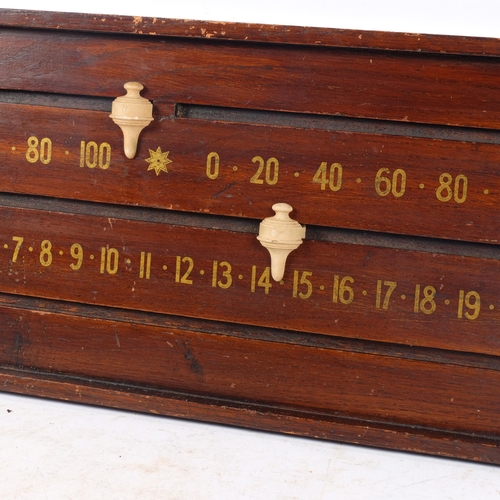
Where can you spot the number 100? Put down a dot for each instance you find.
(92, 155)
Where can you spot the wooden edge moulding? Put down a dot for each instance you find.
(281, 228)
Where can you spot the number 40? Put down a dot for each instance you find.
(329, 177)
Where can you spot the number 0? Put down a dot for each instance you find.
(213, 162)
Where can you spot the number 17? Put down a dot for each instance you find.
(392, 286)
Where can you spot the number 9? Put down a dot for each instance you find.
(76, 251)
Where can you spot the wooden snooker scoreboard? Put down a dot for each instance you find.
(131, 275)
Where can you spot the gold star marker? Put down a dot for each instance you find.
(158, 161)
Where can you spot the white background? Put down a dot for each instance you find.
(60, 450)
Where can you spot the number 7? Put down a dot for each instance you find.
(19, 241)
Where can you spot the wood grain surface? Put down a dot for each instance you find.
(140, 284)
(406, 87)
(243, 414)
(188, 28)
(398, 184)
(363, 386)
(354, 291)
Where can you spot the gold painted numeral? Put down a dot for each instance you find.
(46, 253)
(384, 185)
(331, 178)
(444, 192)
(272, 170)
(213, 162)
(145, 265)
(264, 280)
(109, 260)
(302, 278)
(93, 155)
(39, 150)
(19, 241)
(226, 274)
(76, 251)
(427, 305)
(342, 292)
(378, 300)
(185, 277)
(474, 306)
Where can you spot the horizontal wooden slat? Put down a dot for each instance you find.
(344, 290)
(419, 186)
(408, 87)
(251, 32)
(415, 439)
(368, 387)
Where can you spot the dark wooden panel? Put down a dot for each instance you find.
(363, 386)
(428, 187)
(416, 439)
(355, 291)
(151, 26)
(407, 87)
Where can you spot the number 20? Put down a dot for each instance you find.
(272, 170)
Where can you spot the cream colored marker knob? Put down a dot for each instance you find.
(131, 113)
(280, 235)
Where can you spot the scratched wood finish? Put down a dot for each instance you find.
(375, 339)
(151, 26)
(430, 88)
(329, 177)
(426, 299)
(195, 407)
(362, 386)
